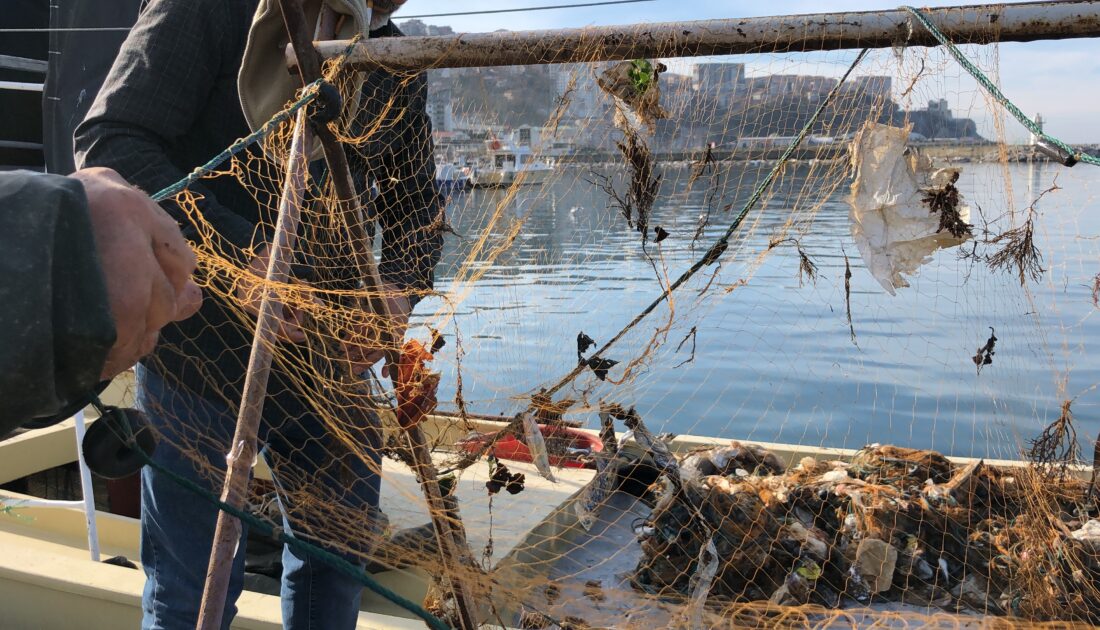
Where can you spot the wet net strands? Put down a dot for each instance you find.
(755, 237)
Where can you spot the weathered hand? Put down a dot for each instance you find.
(147, 265)
(363, 345)
(250, 294)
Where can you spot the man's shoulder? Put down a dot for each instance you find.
(215, 12)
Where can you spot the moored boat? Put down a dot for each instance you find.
(506, 166)
(451, 178)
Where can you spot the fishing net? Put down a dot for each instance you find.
(739, 310)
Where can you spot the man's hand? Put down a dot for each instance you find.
(364, 347)
(147, 265)
(250, 293)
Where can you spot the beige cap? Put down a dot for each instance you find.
(264, 83)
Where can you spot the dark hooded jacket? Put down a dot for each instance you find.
(55, 317)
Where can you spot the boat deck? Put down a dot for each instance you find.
(45, 561)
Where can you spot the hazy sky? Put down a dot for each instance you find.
(1060, 79)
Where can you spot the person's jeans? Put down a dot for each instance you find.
(177, 526)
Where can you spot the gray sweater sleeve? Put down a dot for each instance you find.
(55, 318)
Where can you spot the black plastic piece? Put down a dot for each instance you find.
(111, 443)
(326, 107)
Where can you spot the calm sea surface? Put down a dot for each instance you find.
(774, 360)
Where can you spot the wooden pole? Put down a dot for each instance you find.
(978, 24)
(449, 532)
(227, 534)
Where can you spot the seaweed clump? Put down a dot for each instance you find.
(634, 87)
(945, 203)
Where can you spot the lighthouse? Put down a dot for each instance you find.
(1034, 139)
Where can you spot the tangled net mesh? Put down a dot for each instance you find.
(783, 339)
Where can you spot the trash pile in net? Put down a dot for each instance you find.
(891, 525)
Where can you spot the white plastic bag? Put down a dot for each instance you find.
(892, 225)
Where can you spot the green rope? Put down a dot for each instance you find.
(333, 560)
(994, 91)
(122, 429)
(309, 94)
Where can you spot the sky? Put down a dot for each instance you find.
(1059, 79)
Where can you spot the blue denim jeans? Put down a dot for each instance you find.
(177, 526)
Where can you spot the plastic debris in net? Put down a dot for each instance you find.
(895, 223)
(536, 445)
(706, 569)
(596, 491)
(893, 524)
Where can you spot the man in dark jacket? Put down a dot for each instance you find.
(170, 103)
(92, 269)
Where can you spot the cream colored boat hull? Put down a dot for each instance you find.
(503, 179)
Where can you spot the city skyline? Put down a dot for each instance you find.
(1055, 78)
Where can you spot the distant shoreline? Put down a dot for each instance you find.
(946, 151)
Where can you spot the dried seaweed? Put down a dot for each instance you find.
(437, 340)
(807, 268)
(584, 342)
(549, 412)
(1056, 449)
(1093, 490)
(634, 84)
(945, 202)
(593, 590)
(690, 335)
(1019, 248)
(600, 366)
(701, 225)
(533, 620)
(848, 294)
(500, 478)
(440, 224)
(984, 356)
(644, 185)
(597, 364)
(715, 252)
(703, 165)
(1019, 251)
(614, 200)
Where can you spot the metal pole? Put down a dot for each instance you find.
(20, 86)
(227, 535)
(449, 533)
(974, 24)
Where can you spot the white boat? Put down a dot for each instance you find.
(511, 165)
(451, 178)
